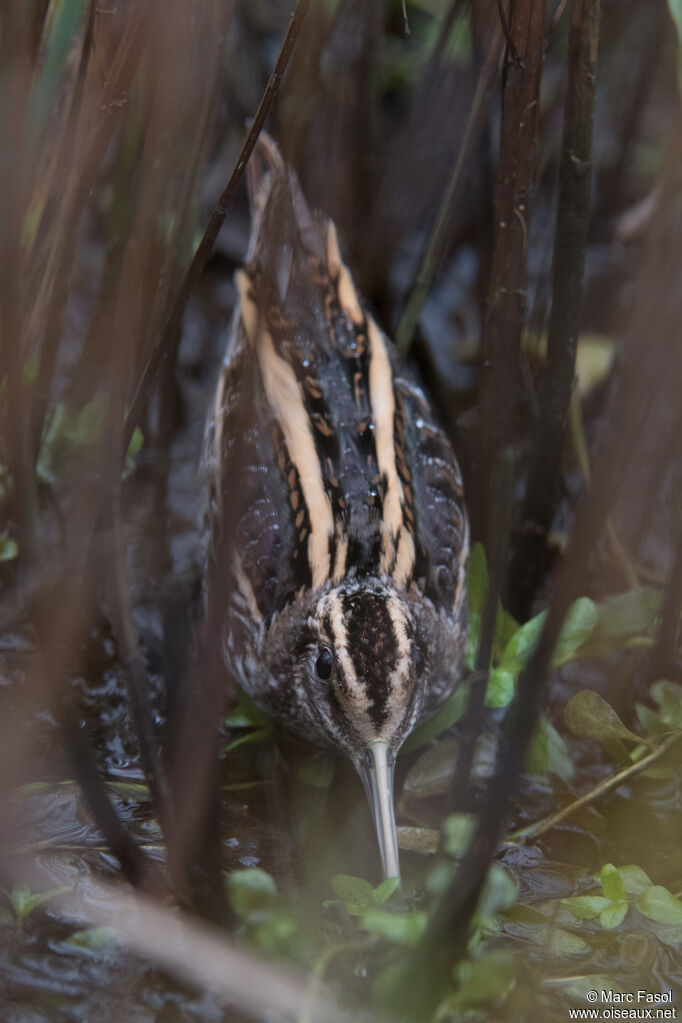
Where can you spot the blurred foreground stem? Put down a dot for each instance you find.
(570, 243)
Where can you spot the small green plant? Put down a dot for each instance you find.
(512, 648)
(23, 901)
(624, 889)
(270, 921)
(246, 717)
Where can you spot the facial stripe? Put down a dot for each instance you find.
(332, 607)
(400, 676)
(286, 401)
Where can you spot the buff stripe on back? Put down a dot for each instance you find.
(397, 545)
(286, 401)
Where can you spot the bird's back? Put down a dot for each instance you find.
(327, 462)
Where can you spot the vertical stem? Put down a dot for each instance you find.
(570, 243)
(501, 367)
(15, 49)
(500, 503)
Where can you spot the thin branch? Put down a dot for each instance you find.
(604, 787)
(168, 337)
(497, 535)
(138, 682)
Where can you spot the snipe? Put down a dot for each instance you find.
(342, 501)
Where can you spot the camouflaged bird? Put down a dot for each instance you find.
(342, 500)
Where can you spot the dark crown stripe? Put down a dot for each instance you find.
(373, 647)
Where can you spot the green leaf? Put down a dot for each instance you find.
(448, 715)
(521, 645)
(24, 901)
(589, 716)
(612, 883)
(500, 689)
(9, 548)
(131, 790)
(613, 915)
(547, 753)
(250, 890)
(259, 735)
(356, 893)
(246, 714)
(558, 940)
(658, 904)
(485, 979)
(586, 907)
(524, 913)
(92, 939)
(668, 695)
(398, 928)
(594, 358)
(387, 987)
(458, 831)
(505, 627)
(621, 617)
(440, 877)
(134, 448)
(578, 626)
(635, 881)
(477, 586)
(277, 934)
(579, 623)
(500, 891)
(383, 892)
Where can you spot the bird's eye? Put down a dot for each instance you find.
(419, 660)
(323, 664)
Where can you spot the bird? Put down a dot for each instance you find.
(338, 500)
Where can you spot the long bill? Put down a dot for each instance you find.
(376, 771)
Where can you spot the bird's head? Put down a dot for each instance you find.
(359, 659)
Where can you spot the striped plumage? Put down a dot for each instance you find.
(341, 499)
